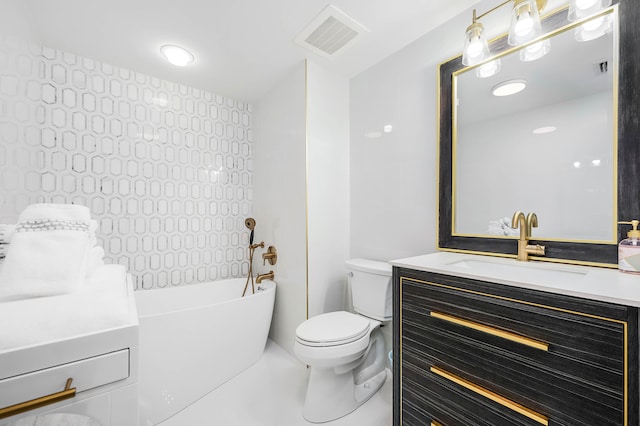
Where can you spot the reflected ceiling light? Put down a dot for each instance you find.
(388, 128)
(525, 27)
(509, 87)
(580, 9)
(545, 129)
(373, 135)
(177, 55)
(594, 28)
(535, 51)
(596, 163)
(576, 164)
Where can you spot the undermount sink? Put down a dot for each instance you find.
(531, 271)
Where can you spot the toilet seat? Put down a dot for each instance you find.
(332, 329)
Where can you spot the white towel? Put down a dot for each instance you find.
(3, 250)
(95, 260)
(48, 252)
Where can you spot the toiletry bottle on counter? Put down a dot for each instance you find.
(629, 250)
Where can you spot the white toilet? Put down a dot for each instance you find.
(346, 352)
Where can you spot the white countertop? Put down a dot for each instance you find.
(607, 285)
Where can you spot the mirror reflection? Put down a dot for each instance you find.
(548, 145)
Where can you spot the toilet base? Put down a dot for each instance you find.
(331, 395)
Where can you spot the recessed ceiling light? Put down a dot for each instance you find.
(388, 128)
(177, 55)
(543, 130)
(509, 87)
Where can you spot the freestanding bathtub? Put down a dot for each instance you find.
(194, 338)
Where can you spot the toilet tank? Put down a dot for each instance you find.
(371, 289)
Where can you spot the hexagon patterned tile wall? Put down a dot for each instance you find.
(164, 168)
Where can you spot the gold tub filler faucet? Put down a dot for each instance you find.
(270, 256)
(526, 224)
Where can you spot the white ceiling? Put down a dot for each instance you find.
(242, 47)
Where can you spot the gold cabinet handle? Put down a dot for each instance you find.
(12, 410)
(434, 423)
(492, 330)
(492, 396)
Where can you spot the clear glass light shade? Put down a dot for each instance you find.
(580, 9)
(525, 22)
(535, 51)
(489, 69)
(476, 48)
(594, 28)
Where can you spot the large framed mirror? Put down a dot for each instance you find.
(566, 147)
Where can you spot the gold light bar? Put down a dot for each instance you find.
(22, 407)
(492, 330)
(492, 396)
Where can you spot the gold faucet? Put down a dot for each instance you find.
(268, 276)
(526, 224)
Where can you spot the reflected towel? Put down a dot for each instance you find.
(48, 252)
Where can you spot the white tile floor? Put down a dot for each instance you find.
(271, 393)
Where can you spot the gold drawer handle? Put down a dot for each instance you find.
(12, 410)
(492, 396)
(493, 331)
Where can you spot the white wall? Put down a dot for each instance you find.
(393, 175)
(328, 187)
(279, 203)
(301, 193)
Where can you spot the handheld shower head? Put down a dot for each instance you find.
(250, 223)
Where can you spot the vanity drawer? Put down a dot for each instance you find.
(570, 365)
(86, 374)
(429, 398)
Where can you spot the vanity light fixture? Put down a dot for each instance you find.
(509, 87)
(177, 55)
(525, 27)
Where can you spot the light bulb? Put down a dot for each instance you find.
(523, 26)
(177, 55)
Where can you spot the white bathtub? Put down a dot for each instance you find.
(194, 338)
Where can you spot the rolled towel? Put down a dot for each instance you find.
(6, 231)
(48, 252)
(3, 250)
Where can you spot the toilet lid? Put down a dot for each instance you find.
(333, 328)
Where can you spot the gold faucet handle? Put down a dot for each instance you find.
(270, 256)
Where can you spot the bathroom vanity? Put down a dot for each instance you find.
(492, 341)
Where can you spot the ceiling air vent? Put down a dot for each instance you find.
(330, 33)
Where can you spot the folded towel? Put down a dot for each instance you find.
(95, 260)
(3, 250)
(48, 252)
(5, 233)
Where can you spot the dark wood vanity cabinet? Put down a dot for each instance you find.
(469, 352)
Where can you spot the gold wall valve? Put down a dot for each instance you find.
(270, 256)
